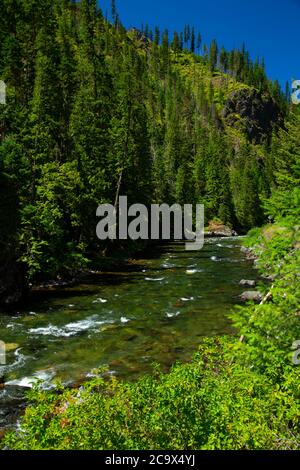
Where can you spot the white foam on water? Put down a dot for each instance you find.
(29, 382)
(51, 330)
(71, 329)
(168, 265)
(185, 299)
(154, 279)
(95, 375)
(124, 320)
(171, 315)
(13, 325)
(100, 301)
(26, 382)
(19, 362)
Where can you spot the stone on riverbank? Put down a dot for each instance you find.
(250, 295)
(248, 282)
(218, 229)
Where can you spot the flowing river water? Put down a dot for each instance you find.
(157, 311)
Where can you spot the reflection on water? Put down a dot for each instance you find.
(156, 312)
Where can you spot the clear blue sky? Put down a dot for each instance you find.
(269, 28)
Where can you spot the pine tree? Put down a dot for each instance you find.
(157, 36)
(114, 13)
(181, 41)
(246, 184)
(199, 42)
(213, 55)
(165, 52)
(287, 92)
(193, 39)
(176, 43)
(223, 60)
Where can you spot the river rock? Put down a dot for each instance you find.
(247, 282)
(252, 295)
(220, 230)
(248, 253)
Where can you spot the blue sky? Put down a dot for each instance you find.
(269, 28)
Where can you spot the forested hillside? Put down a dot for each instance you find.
(238, 393)
(94, 111)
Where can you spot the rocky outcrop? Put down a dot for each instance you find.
(220, 230)
(256, 113)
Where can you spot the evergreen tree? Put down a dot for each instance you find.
(246, 184)
(165, 52)
(199, 42)
(176, 43)
(223, 60)
(213, 55)
(157, 36)
(114, 13)
(193, 39)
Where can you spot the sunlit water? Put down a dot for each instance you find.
(157, 312)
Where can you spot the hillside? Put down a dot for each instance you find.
(94, 111)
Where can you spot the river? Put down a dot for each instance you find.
(157, 311)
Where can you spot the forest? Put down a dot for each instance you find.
(94, 111)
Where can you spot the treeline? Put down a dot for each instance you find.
(93, 111)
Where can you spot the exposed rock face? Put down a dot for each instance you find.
(257, 113)
(220, 230)
(251, 295)
(12, 283)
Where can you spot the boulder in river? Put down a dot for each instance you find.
(248, 282)
(252, 295)
(218, 229)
